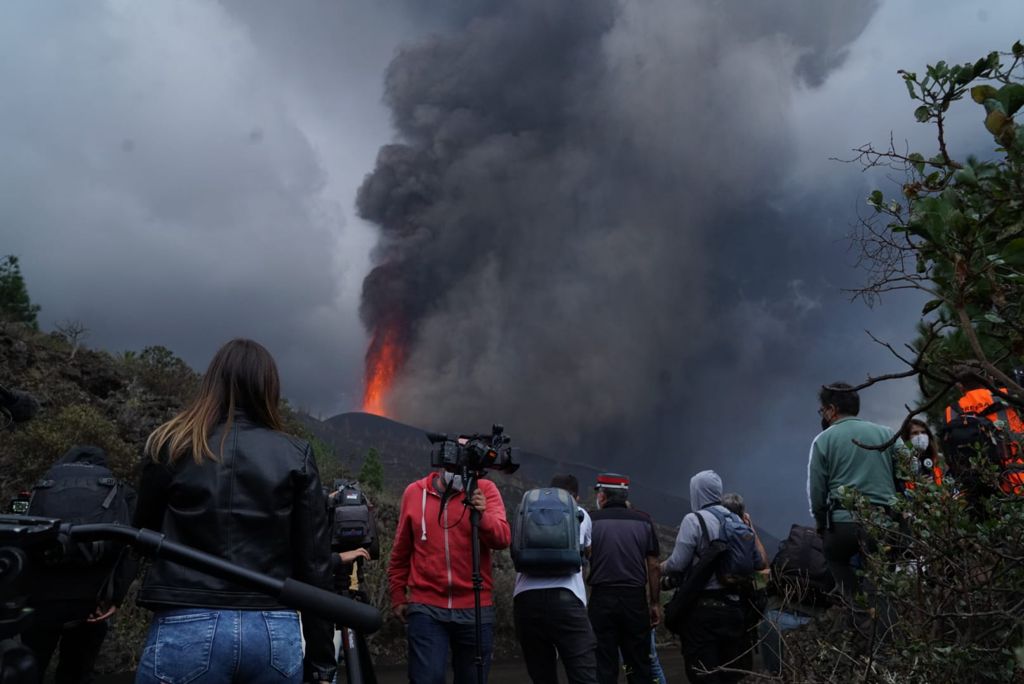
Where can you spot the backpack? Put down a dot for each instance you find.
(739, 563)
(730, 558)
(968, 434)
(546, 533)
(81, 489)
(800, 568)
(353, 525)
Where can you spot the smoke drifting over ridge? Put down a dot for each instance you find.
(548, 216)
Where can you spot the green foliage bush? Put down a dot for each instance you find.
(327, 461)
(371, 474)
(943, 600)
(35, 446)
(161, 372)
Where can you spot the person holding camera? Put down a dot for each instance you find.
(430, 574)
(624, 576)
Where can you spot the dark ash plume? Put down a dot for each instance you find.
(552, 218)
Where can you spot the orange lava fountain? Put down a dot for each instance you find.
(383, 359)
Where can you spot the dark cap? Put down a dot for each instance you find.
(612, 481)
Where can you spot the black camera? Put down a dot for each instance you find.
(353, 525)
(473, 453)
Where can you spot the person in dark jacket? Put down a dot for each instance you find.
(223, 477)
(624, 577)
(73, 603)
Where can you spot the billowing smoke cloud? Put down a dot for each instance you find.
(612, 226)
(552, 218)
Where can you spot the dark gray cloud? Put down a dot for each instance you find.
(589, 231)
(181, 173)
(623, 213)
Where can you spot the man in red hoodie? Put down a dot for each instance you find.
(430, 574)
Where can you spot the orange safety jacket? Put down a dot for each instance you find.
(982, 402)
(936, 477)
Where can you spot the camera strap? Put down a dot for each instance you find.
(449, 493)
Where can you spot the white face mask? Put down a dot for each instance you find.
(919, 441)
(451, 480)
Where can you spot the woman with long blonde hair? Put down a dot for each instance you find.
(223, 477)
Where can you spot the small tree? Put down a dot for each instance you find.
(956, 232)
(15, 304)
(371, 474)
(161, 372)
(74, 332)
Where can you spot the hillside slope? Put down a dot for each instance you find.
(405, 454)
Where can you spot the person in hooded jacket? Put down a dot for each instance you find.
(430, 574)
(713, 635)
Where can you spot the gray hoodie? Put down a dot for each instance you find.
(705, 489)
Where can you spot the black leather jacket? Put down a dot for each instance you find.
(261, 506)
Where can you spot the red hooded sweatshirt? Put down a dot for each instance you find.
(435, 564)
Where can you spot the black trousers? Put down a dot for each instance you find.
(552, 624)
(621, 620)
(714, 636)
(79, 641)
(844, 541)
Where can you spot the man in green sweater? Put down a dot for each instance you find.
(837, 464)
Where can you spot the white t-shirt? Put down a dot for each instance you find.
(573, 582)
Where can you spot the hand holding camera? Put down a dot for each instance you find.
(479, 501)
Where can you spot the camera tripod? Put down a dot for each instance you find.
(349, 644)
(470, 477)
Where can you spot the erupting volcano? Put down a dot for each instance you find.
(383, 359)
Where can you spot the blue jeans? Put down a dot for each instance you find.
(656, 671)
(210, 646)
(429, 640)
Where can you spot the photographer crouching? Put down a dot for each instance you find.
(353, 541)
(431, 571)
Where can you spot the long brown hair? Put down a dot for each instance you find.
(242, 375)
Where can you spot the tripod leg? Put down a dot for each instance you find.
(478, 581)
(353, 656)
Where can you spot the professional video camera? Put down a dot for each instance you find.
(18, 407)
(473, 453)
(353, 525)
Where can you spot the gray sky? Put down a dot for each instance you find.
(179, 173)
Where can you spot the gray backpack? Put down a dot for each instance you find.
(546, 533)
